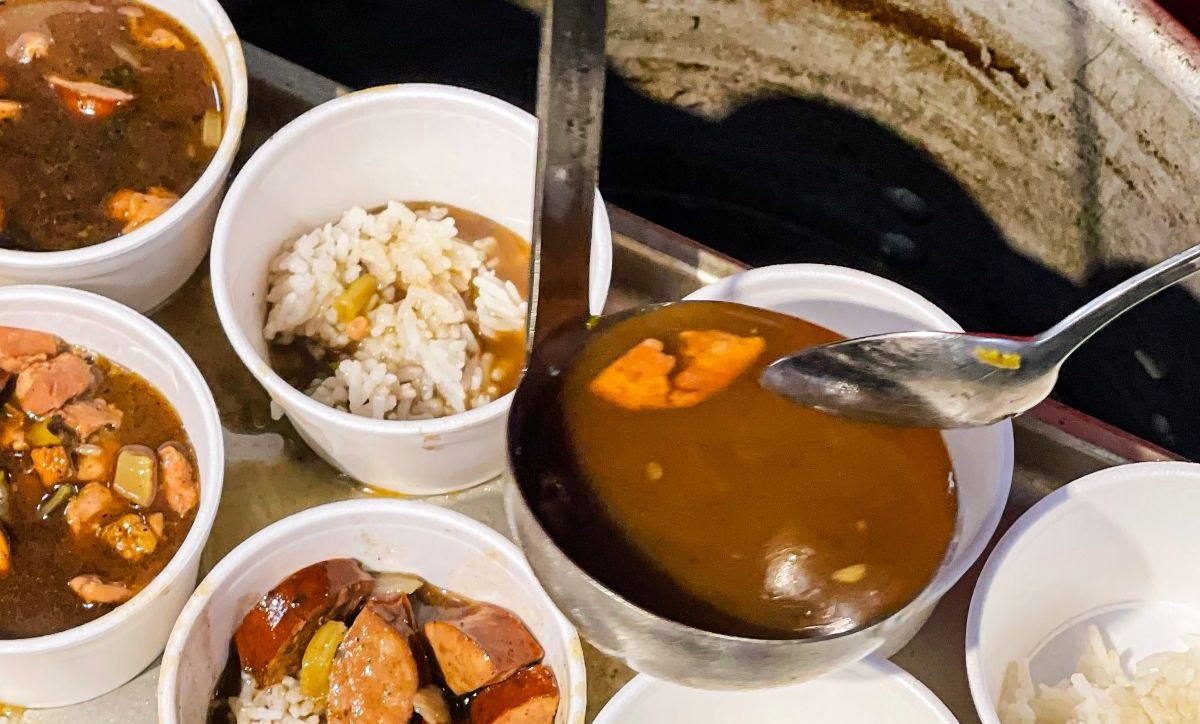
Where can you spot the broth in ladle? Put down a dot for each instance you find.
(708, 500)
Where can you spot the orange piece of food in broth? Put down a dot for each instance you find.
(712, 360)
(638, 379)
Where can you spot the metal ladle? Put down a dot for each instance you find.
(948, 380)
(549, 511)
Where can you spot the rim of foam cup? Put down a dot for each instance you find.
(285, 141)
(210, 461)
(234, 91)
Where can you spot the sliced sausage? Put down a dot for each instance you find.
(177, 478)
(20, 346)
(94, 589)
(375, 674)
(529, 696)
(480, 645)
(46, 386)
(86, 100)
(272, 637)
(86, 417)
(94, 505)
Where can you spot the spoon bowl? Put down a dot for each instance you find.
(945, 380)
(918, 379)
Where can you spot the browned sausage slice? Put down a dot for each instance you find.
(272, 637)
(480, 645)
(375, 673)
(529, 696)
(47, 386)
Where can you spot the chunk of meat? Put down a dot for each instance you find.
(638, 379)
(29, 46)
(130, 537)
(137, 209)
(98, 462)
(530, 696)
(86, 417)
(271, 638)
(5, 554)
(178, 479)
(10, 110)
(157, 524)
(90, 509)
(95, 590)
(87, 100)
(157, 38)
(712, 360)
(479, 645)
(375, 674)
(46, 386)
(52, 464)
(21, 347)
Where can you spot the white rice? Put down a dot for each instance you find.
(282, 703)
(1162, 689)
(423, 357)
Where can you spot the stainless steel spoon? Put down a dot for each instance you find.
(947, 380)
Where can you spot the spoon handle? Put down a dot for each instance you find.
(1064, 337)
(571, 68)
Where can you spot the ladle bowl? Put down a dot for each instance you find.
(542, 509)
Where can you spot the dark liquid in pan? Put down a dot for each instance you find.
(745, 514)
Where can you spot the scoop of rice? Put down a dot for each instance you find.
(438, 297)
(1162, 689)
(283, 703)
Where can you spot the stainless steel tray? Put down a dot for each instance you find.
(271, 474)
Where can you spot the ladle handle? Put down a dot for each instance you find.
(1064, 337)
(570, 98)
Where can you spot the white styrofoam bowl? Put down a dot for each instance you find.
(869, 692)
(1117, 549)
(143, 268)
(405, 142)
(856, 304)
(446, 548)
(97, 657)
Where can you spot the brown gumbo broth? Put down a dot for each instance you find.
(103, 105)
(53, 539)
(743, 513)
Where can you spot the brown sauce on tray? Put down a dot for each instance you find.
(97, 97)
(743, 513)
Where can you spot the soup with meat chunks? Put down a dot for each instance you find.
(98, 484)
(335, 643)
(711, 501)
(109, 112)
